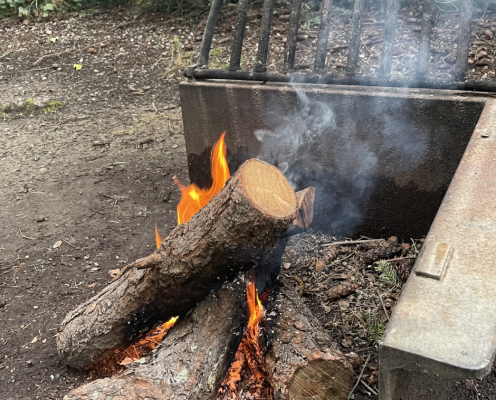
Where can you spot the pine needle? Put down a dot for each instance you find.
(388, 273)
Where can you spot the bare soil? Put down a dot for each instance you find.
(87, 156)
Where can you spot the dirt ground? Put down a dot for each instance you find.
(86, 160)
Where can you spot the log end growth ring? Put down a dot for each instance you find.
(268, 189)
(321, 379)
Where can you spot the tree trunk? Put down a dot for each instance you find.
(302, 360)
(190, 363)
(233, 232)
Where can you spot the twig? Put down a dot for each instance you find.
(383, 306)
(368, 387)
(161, 109)
(349, 242)
(360, 377)
(143, 263)
(53, 55)
(399, 259)
(77, 248)
(25, 237)
(7, 53)
(126, 22)
(156, 62)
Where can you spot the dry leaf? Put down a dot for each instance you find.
(319, 265)
(57, 244)
(127, 361)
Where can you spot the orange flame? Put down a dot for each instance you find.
(254, 306)
(158, 239)
(192, 197)
(115, 362)
(249, 359)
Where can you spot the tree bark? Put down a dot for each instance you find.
(302, 360)
(191, 361)
(233, 232)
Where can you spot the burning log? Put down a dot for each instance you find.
(233, 232)
(190, 363)
(301, 360)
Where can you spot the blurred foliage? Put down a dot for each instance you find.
(480, 6)
(44, 8)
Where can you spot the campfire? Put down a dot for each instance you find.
(210, 346)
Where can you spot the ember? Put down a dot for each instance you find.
(116, 361)
(247, 374)
(193, 198)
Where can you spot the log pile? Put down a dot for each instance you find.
(242, 227)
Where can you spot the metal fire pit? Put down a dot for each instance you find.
(445, 321)
(390, 160)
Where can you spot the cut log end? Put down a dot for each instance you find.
(268, 189)
(305, 199)
(321, 380)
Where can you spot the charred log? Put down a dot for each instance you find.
(302, 360)
(233, 232)
(191, 361)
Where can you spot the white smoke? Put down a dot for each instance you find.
(346, 182)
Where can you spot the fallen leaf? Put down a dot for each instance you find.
(77, 67)
(57, 244)
(319, 265)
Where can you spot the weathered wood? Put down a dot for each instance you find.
(302, 360)
(304, 216)
(232, 233)
(190, 363)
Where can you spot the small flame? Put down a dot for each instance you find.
(254, 306)
(249, 359)
(114, 362)
(192, 197)
(158, 240)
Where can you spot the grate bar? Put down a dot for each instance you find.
(206, 44)
(463, 38)
(294, 24)
(471, 85)
(392, 9)
(239, 35)
(355, 38)
(263, 43)
(425, 39)
(323, 37)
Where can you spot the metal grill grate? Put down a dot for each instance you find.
(319, 73)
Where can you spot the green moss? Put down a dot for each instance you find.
(52, 106)
(29, 105)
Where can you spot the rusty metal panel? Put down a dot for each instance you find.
(413, 137)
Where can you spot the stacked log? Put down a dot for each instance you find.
(239, 229)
